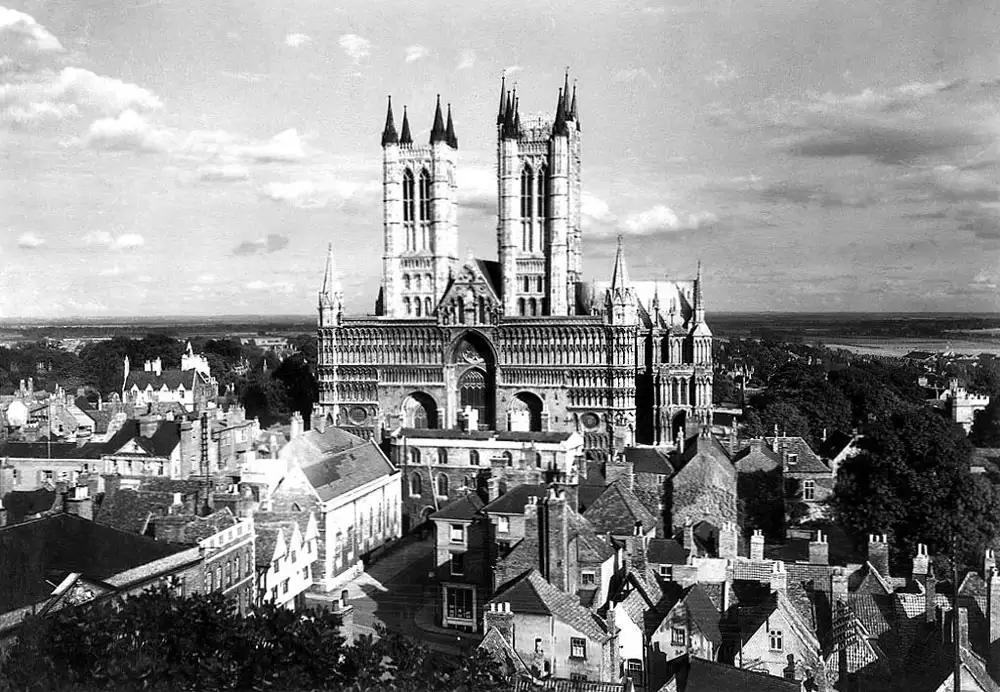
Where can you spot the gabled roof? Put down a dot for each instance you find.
(161, 444)
(618, 510)
(806, 460)
(835, 443)
(703, 613)
(757, 457)
(666, 551)
(200, 528)
(173, 379)
(335, 461)
(591, 547)
(649, 460)
(463, 509)
(267, 540)
(502, 652)
(130, 510)
(514, 500)
(473, 271)
(698, 675)
(706, 453)
(531, 594)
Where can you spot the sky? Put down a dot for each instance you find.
(182, 157)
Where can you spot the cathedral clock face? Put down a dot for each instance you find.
(590, 420)
(358, 415)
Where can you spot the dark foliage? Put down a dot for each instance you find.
(761, 502)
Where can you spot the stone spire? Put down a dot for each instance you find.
(450, 136)
(331, 283)
(508, 119)
(438, 133)
(389, 132)
(517, 116)
(565, 93)
(699, 298)
(405, 137)
(502, 110)
(560, 127)
(619, 277)
(573, 115)
(331, 296)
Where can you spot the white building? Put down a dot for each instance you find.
(286, 552)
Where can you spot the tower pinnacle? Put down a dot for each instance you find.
(699, 297)
(331, 284)
(438, 133)
(389, 132)
(405, 137)
(619, 277)
(450, 131)
(560, 128)
(503, 93)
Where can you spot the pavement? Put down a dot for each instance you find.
(396, 591)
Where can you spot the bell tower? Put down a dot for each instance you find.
(538, 225)
(420, 216)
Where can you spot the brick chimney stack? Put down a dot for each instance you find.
(878, 553)
(554, 532)
(297, 426)
(78, 502)
(498, 615)
(779, 577)
(727, 540)
(687, 540)
(637, 549)
(757, 545)
(620, 470)
(819, 550)
(921, 563)
(989, 562)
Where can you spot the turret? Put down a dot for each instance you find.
(502, 110)
(405, 138)
(450, 136)
(438, 132)
(621, 302)
(560, 128)
(389, 131)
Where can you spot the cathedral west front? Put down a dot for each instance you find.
(522, 343)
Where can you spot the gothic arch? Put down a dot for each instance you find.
(419, 410)
(525, 412)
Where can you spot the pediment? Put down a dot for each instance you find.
(470, 297)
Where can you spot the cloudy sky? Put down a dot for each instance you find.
(168, 157)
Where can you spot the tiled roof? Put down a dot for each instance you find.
(806, 460)
(698, 675)
(523, 556)
(130, 510)
(161, 444)
(439, 434)
(703, 613)
(514, 500)
(707, 449)
(500, 649)
(21, 504)
(267, 539)
(200, 528)
(649, 460)
(172, 378)
(591, 547)
(757, 457)
(835, 443)
(49, 450)
(532, 594)
(666, 551)
(618, 510)
(335, 462)
(464, 508)
(43, 551)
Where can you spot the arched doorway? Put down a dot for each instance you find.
(419, 411)
(476, 377)
(678, 426)
(525, 414)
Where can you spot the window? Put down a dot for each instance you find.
(16, 476)
(238, 572)
(406, 281)
(305, 572)
(588, 579)
(808, 490)
(543, 200)
(406, 306)
(666, 571)
(578, 677)
(428, 309)
(527, 178)
(577, 647)
(538, 460)
(503, 525)
(415, 484)
(457, 566)
(416, 307)
(508, 459)
(425, 196)
(474, 458)
(294, 557)
(457, 533)
(527, 284)
(538, 645)
(442, 485)
(678, 636)
(775, 640)
(459, 603)
(520, 307)
(284, 587)
(409, 190)
(442, 456)
(633, 668)
(414, 456)
(47, 475)
(277, 564)
(274, 594)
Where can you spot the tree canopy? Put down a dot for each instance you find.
(159, 641)
(912, 481)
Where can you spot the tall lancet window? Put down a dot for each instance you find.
(527, 209)
(408, 208)
(425, 209)
(542, 204)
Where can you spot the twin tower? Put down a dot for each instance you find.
(538, 228)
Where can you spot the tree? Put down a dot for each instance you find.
(301, 389)
(986, 425)
(912, 480)
(159, 641)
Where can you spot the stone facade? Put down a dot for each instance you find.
(524, 343)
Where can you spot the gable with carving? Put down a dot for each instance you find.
(469, 298)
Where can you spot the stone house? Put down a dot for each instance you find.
(462, 562)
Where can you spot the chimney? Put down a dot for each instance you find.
(637, 550)
(554, 532)
(921, 563)
(318, 420)
(79, 503)
(727, 540)
(688, 537)
(930, 597)
(615, 646)
(779, 577)
(297, 425)
(733, 441)
(148, 425)
(993, 623)
(838, 590)
(819, 550)
(531, 523)
(498, 615)
(989, 562)
(878, 553)
(963, 628)
(757, 545)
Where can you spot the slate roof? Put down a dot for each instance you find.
(618, 510)
(47, 450)
(591, 547)
(172, 378)
(21, 504)
(514, 500)
(649, 460)
(439, 434)
(38, 554)
(161, 444)
(335, 461)
(703, 613)
(666, 551)
(835, 443)
(130, 510)
(500, 649)
(698, 675)
(806, 460)
(200, 528)
(101, 420)
(464, 508)
(707, 448)
(532, 594)
(267, 540)
(757, 457)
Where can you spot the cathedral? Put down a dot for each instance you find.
(522, 343)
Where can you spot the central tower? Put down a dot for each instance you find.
(420, 216)
(538, 225)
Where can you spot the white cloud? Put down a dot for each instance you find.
(111, 271)
(414, 53)
(356, 47)
(297, 40)
(114, 242)
(312, 194)
(127, 131)
(20, 30)
(662, 218)
(723, 73)
(250, 77)
(284, 146)
(204, 279)
(466, 60)
(632, 74)
(511, 69)
(594, 209)
(257, 285)
(224, 173)
(276, 286)
(29, 241)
